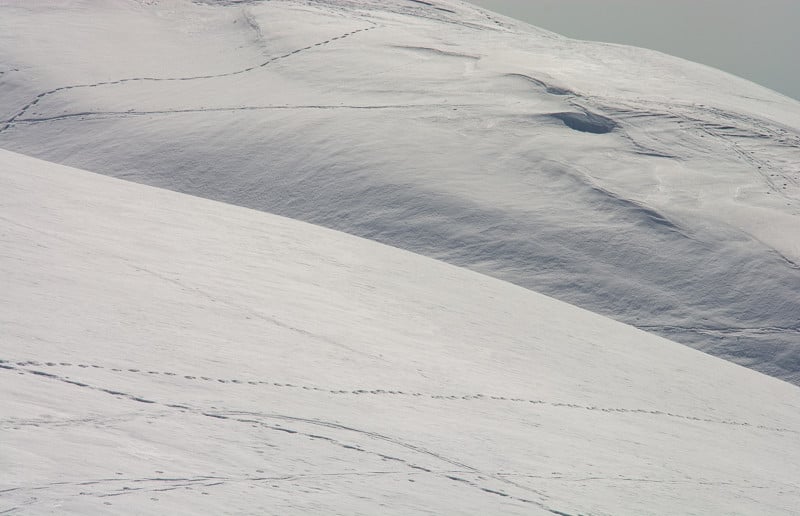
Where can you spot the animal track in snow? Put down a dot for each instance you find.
(86, 115)
(9, 123)
(23, 366)
(262, 420)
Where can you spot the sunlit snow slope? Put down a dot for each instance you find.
(163, 354)
(656, 191)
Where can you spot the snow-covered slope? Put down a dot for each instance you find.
(649, 189)
(163, 354)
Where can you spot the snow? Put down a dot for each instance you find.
(165, 354)
(659, 192)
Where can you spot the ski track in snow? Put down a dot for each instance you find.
(23, 366)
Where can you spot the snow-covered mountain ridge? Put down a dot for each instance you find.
(163, 354)
(653, 190)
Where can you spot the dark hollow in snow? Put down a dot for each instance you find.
(586, 122)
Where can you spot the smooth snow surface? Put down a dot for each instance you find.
(653, 190)
(163, 354)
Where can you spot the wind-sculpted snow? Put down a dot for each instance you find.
(586, 122)
(163, 354)
(652, 190)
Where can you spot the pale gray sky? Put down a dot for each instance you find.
(755, 39)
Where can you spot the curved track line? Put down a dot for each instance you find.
(19, 365)
(102, 115)
(9, 123)
(331, 425)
